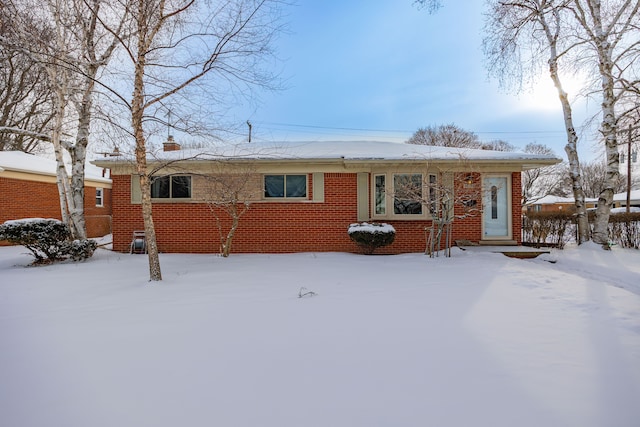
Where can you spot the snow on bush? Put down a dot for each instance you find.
(370, 236)
(47, 239)
(78, 250)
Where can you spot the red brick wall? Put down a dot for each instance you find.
(278, 227)
(34, 199)
(98, 219)
(516, 205)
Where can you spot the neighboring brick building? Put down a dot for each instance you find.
(304, 196)
(28, 190)
(556, 204)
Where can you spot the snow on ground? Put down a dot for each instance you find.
(478, 339)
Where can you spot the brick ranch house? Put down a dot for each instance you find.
(303, 196)
(28, 190)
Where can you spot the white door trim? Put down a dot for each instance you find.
(485, 209)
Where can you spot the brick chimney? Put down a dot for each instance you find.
(170, 144)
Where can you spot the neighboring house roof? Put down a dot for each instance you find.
(18, 161)
(342, 151)
(552, 200)
(622, 197)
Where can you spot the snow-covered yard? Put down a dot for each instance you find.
(478, 339)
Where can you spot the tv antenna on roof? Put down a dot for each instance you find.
(168, 123)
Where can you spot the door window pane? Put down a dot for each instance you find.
(494, 202)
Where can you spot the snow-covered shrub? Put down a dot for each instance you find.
(47, 239)
(78, 250)
(370, 236)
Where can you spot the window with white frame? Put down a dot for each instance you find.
(171, 187)
(285, 186)
(99, 197)
(404, 195)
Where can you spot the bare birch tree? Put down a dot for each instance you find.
(610, 30)
(38, 32)
(521, 36)
(64, 41)
(183, 44)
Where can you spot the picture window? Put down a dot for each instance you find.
(171, 187)
(285, 186)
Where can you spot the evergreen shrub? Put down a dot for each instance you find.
(370, 236)
(47, 239)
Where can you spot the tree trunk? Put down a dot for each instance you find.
(572, 138)
(78, 153)
(608, 126)
(137, 115)
(62, 178)
(155, 273)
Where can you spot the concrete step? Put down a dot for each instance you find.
(498, 243)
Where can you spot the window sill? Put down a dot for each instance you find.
(180, 200)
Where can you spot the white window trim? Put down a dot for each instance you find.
(101, 197)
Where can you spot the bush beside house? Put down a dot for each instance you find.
(370, 236)
(47, 239)
(28, 190)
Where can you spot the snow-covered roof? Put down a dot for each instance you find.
(17, 161)
(340, 150)
(551, 200)
(622, 197)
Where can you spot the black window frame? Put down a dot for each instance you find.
(173, 189)
(284, 193)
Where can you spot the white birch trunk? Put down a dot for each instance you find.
(62, 178)
(608, 126)
(571, 148)
(137, 114)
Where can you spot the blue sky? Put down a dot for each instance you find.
(382, 69)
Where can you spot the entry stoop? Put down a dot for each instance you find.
(508, 248)
(498, 243)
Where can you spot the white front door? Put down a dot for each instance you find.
(496, 212)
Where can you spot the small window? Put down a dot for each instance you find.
(380, 195)
(433, 194)
(634, 157)
(285, 186)
(171, 187)
(407, 191)
(99, 197)
(621, 157)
